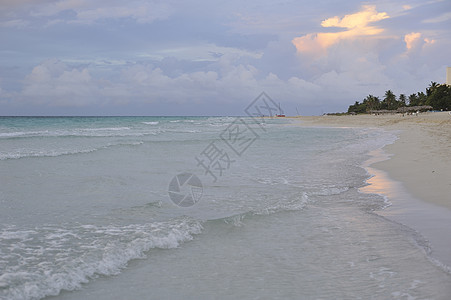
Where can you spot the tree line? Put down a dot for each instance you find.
(437, 95)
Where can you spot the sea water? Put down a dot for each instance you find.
(85, 212)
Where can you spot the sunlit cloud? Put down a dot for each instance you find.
(411, 39)
(415, 40)
(355, 25)
(358, 20)
(429, 41)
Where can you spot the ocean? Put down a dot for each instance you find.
(200, 208)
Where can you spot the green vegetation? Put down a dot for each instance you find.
(438, 96)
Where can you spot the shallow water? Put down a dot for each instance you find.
(86, 213)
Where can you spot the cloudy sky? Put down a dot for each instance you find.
(195, 57)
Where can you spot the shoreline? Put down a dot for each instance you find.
(427, 218)
(412, 173)
(418, 158)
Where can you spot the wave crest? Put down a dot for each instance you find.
(69, 257)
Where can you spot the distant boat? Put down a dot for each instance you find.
(281, 113)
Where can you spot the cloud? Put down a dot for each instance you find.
(142, 12)
(226, 82)
(429, 41)
(52, 82)
(355, 26)
(83, 11)
(412, 39)
(16, 23)
(7, 5)
(113, 55)
(407, 7)
(359, 20)
(441, 18)
(56, 7)
(199, 52)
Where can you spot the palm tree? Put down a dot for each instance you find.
(403, 100)
(421, 98)
(432, 86)
(390, 100)
(413, 100)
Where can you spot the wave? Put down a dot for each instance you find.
(69, 257)
(151, 123)
(55, 153)
(184, 130)
(87, 134)
(294, 204)
(83, 132)
(22, 133)
(106, 129)
(329, 191)
(184, 121)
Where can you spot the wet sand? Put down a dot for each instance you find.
(421, 157)
(414, 173)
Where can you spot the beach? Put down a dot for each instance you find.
(421, 156)
(307, 208)
(415, 170)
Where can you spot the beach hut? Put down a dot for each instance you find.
(414, 109)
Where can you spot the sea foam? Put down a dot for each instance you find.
(69, 257)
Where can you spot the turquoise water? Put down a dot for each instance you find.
(86, 214)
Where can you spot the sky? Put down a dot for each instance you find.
(194, 57)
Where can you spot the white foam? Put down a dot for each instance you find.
(329, 191)
(184, 130)
(21, 153)
(106, 129)
(22, 133)
(96, 132)
(69, 257)
(295, 204)
(48, 153)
